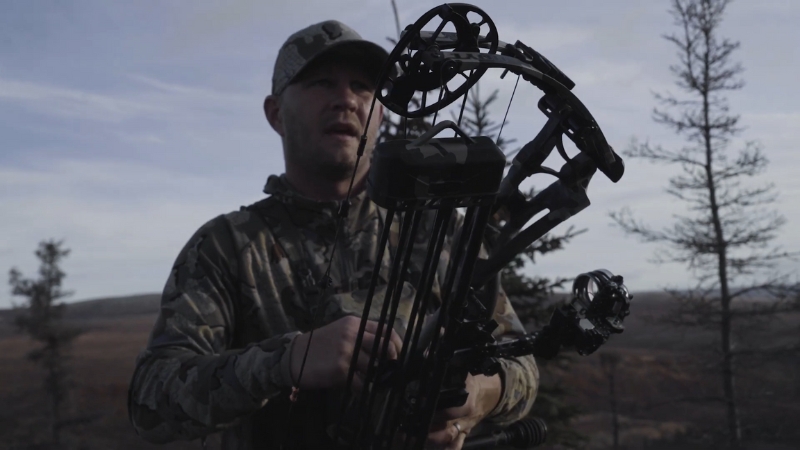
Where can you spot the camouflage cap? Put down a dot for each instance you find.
(308, 44)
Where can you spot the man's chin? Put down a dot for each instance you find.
(334, 171)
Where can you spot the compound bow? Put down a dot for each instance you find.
(407, 177)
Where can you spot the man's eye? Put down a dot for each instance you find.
(361, 86)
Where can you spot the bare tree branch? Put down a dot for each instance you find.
(724, 237)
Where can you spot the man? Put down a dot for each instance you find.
(229, 341)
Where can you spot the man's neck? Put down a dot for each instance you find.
(324, 190)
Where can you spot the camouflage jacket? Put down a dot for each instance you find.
(239, 292)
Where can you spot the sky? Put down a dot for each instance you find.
(125, 126)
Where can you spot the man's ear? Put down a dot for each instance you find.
(272, 110)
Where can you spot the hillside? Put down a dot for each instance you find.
(660, 368)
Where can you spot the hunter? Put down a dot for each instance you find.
(242, 296)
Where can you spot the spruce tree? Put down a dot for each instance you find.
(40, 316)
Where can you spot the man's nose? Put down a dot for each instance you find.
(345, 98)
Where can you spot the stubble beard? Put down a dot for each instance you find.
(319, 164)
(333, 171)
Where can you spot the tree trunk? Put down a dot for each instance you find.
(614, 415)
(734, 430)
(609, 362)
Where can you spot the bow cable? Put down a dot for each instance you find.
(441, 94)
(463, 104)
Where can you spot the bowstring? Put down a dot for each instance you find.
(326, 281)
(343, 209)
(497, 142)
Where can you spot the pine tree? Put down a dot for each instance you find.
(41, 318)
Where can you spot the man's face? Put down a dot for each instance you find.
(322, 116)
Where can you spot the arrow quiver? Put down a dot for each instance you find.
(437, 60)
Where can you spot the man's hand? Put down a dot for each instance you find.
(451, 426)
(332, 350)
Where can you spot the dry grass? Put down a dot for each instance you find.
(102, 361)
(660, 372)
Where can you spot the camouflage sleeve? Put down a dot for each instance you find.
(519, 375)
(188, 382)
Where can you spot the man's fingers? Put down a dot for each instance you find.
(446, 436)
(458, 442)
(368, 346)
(395, 343)
(366, 349)
(451, 436)
(453, 413)
(364, 356)
(398, 343)
(358, 382)
(372, 327)
(442, 437)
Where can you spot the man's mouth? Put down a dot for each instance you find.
(343, 129)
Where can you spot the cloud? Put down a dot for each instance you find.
(72, 103)
(158, 99)
(196, 95)
(606, 73)
(121, 219)
(546, 37)
(154, 125)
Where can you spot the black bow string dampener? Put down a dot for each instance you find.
(431, 175)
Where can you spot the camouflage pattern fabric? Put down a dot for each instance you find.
(305, 46)
(240, 290)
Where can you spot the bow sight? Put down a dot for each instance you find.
(434, 176)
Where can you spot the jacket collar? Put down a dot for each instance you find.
(279, 187)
